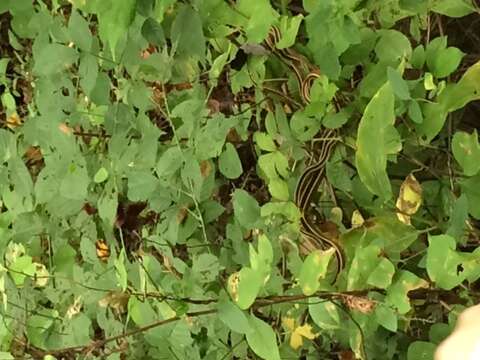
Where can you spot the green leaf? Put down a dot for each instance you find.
(314, 269)
(279, 189)
(453, 8)
(101, 175)
(466, 151)
(88, 72)
(415, 112)
(382, 275)
(249, 284)
(472, 191)
(75, 183)
(233, 317)
(79, 31)
(445, 62)
(377, 138)
(170, 161)
(246, 208)
(21, 268)
(443, 262)
(421, 350)
(399, 86)
(325, 314)
(187, 33)
(261, 15)
(386, 317)
(152, 31)
(114, 19)
(262, 339)
(120, 270)
(264, 141)
(392, 46)
(289, 28)
(229, 162)
(53, 58)
(418, 57)
(107, 208)
(458, 218)
(397, 294)
(141, 185)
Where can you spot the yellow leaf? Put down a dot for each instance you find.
(298, 333)
(13, 121)
(288, 323)
(409, 199)
(357, 219)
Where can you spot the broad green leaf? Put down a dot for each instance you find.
(187, 33)
(418, 57)
(445, 61)
(287, 209)
(415, 112)
(141, 312)
(386, 317)
(245, 286)
(421, 350)
(289, 29)
(21, 268)
(75, 182)
(261, 17)
(141, 185)
(392, 46)
(152, 31)
(79, 31)
(325, 314)
(472, 191)
(264, 141)
(382, 275)
(101, 175)
(314, 269)
(279, 189)
(246, 208)
(443, 262)
(262, 261)
(377, 138)
(88, 71)
(170, 161)
(39, 324)
(466, 151)
(233, 317)
(458, 218)
(229, 162)
(397, 293)
(399, 86)
(453, 8)
(364, 262)
(114, 19)
(53, 58)
(262, 339)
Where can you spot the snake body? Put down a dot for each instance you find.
(313, 175)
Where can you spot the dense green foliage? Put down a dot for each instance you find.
(150, 150)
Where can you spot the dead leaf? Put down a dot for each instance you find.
(205, 168)
(360, 303)
(64, 128)
(103, 251)
(115, 300)
(75, 308)
(409, 199)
